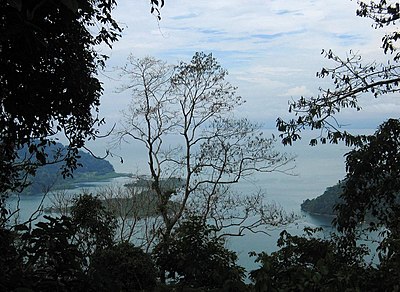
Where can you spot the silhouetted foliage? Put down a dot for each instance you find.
(196, 257)
(55, 255)
(11, 265)
(95, 225)
(122, 267)
(383, 14)
(373, 187)
(52, 259)
(351, 78)
(156, 6)
(48, 77)
(306, 263)
(372, 181)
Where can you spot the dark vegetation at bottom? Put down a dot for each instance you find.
(79, 253)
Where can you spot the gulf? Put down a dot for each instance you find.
(316, 168)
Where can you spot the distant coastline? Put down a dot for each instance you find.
(49, 176)
(321, 214)
(323, 205)
(85, 178)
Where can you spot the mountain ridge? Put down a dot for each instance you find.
(49, 177)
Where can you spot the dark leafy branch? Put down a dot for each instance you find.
(351, 78)
(48, 76)
(383, 14)
(156, 6)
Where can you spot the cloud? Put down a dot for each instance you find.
(277, 35)
(270, 48)
(288, 11)
(297, 91)
(184, 16)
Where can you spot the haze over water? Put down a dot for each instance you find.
(316, 169)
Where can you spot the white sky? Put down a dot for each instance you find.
(271, 48)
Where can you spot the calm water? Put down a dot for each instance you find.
(316, 168)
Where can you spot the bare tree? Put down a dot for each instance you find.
(135, 211)
(192, 104)
(61, 202)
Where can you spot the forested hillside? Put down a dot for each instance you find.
(324, 203)
(50, 176)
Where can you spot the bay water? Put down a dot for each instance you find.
(316, 169)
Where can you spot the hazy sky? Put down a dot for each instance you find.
(270, 48)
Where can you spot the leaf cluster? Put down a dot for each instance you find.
(308, 263)
(196, 257)
(383, 13)
(156, 6)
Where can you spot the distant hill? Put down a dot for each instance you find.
(49, 176)
(324, 203)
